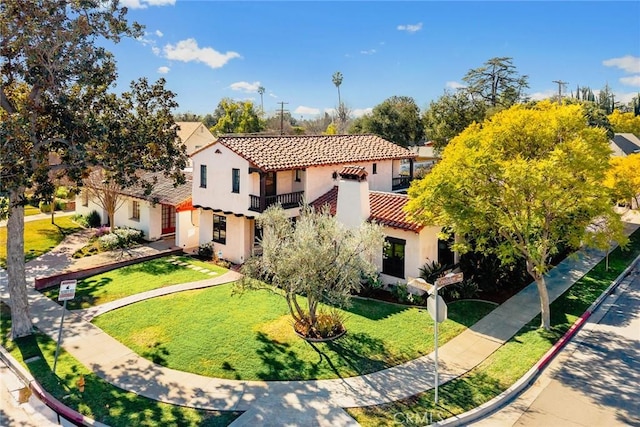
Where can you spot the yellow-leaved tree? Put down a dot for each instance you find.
(530, 178)
(624, 180)
(625, 122)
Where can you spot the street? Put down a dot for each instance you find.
(594, 381)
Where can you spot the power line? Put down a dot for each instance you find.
(282, 111)
(560, 84)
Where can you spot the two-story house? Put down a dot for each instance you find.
(236, 178)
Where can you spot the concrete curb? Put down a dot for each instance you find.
(527, 379)
(58, 407)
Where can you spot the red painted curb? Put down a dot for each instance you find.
(551, 353)
(58, 407)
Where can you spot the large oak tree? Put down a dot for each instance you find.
(55, 103)
(529, 178)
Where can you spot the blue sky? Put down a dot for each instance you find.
(207, 50)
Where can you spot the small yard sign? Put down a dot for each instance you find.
(67, 290)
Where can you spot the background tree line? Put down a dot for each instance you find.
(489, 89)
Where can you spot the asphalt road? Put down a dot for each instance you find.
(595, 380)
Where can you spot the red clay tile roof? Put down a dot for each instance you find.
(283, 152)
(386, 208)
(352, 172)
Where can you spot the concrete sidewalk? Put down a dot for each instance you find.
(292, 402)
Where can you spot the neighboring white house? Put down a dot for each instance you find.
(194, 135)
(408, 245)
(166, 212)
(624, 144)
(237, 177)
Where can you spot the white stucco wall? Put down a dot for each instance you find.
(187, 229)
(91, 206)
(420, 248)
(218, 194)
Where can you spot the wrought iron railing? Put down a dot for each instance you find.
(400, 182)
(287, 200)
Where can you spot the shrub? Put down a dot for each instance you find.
(45, 207)
(205, 251)
(62, 192)
(101, 231)
(463, 290)
(401, 293)
(121, 238)
(60, 205)
(93, 219)
(80, 219)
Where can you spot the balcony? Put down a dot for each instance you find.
(400, 183)
(287, 200)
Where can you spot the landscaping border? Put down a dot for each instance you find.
(527, 379)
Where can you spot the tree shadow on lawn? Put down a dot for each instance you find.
(155, 267)
(373, 309)
(350, 355)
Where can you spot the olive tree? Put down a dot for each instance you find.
(312, 261)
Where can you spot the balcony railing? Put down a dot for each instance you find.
(400, 183)
(287, 200)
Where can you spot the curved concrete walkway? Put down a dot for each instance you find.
(313, 402)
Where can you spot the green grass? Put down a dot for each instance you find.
(100, 400)
(39, 237)
(31, 210)
(250, 337)
(509, 363)
(133, 279)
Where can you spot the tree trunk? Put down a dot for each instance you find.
(21, 325)
(541, 284)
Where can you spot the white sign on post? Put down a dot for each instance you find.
(67, 290)
(441, 314)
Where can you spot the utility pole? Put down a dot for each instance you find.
(560, 84)
(282, 110)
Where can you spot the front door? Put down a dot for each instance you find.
(168, 219)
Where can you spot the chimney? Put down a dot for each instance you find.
(352, 207)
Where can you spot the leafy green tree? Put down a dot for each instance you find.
(55, 103)
(316, 258)
(449, 115)
(236, 117)
(529, 179)
(497, 83)
(397, 119)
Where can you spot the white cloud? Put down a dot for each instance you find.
(410, 28)
(539, 96)
(359, 112)
(159, 33)
(368, 52)
(245, 86)
(630, 64)
(330, 111)
(631, 80)
(155, 50)
(625, 98)
(188, 51)
(143, 4)
(306, 110)
(163, 70)
(273, 95)
(454, 85)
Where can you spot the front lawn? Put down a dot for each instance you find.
(511, 361)
(100, 400)
(39, 237)
(137, 278)
(250, 337)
